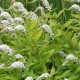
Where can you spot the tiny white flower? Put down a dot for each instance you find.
(75, 7)
(7, 16)
(18, 56)
(47, 29)
(18, 20)
(29, 78)
(2, 65)
(46, 4)
(6, 48)
(19, 27)
(33, 16)
(45, 75)
(17, 64)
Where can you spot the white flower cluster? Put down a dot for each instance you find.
(70, 57)
(23, 10)
(45, 75)
(29, 78)
(18, 20)
(18, 56)
(12, 30)
(75, 7)
(47, 29)
(18, 6)
(7, 16)
(17, 64)
(2, 65)
(46, 4)
(5, 23)
(20, 27)
(33, 16)
(6, 48)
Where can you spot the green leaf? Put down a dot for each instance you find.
(68, 22)
(63, 75)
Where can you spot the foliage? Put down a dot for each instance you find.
(40, 51)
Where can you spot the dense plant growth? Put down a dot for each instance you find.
(39, 40)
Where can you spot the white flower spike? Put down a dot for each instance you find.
(18, 20)
(70, 57)
(18, 56)
(19, 7)
(17, 64)
(45, 75)
(46, 4)
(29, 78)
(33, 16)
(47, 29)
(20, 27)
(5, 23)
(6, 48)
(7, 16)
(75, 7)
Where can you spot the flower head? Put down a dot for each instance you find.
(7, 16)
(45, 75)
(33, 16)
(20, 27)
(46, 4)
(18, 56)
(23, 11)
(70, 57)
(5, 23)
(47, 29)
(19, 7)
(18, 20)
(17, 64)
(6, 48)
(75, 7)
(29, 78)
